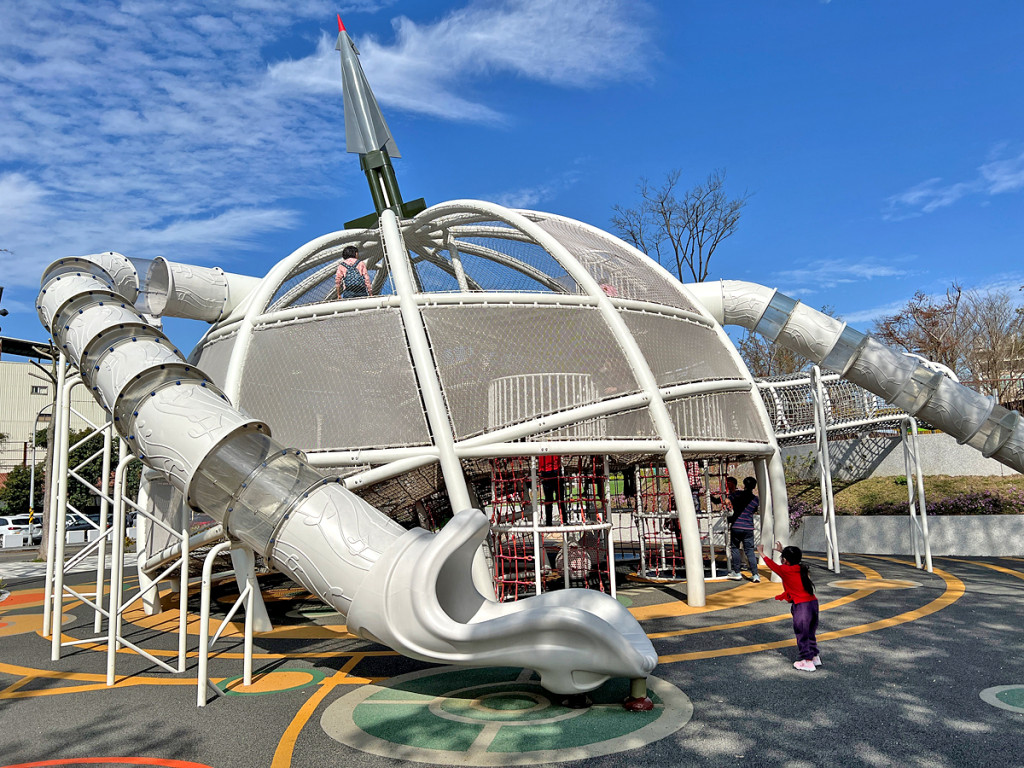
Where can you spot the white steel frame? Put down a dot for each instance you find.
(446, 224)
(112, 524)
(822, 424)
(246, 598)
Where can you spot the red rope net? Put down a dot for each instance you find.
(562, 524)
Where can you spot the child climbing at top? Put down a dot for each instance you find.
(799, 591)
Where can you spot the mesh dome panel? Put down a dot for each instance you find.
(213, 359)
(339, 382)
(681, 351)
(475, 345)
(312, 281)
(717, 416)
(510, 262)
(610, 263)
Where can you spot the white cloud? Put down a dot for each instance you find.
(1009, 283)
(569, 43)
(22, 199)
(998, 176)
(532, 196)
(161, 126)
(826, 275)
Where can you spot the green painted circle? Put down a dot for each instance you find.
(626, 601)
(496, 716)
(505, 701)
(1010, 697)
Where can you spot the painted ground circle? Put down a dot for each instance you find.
(275, 681)
(496, 716)
(1009, 697)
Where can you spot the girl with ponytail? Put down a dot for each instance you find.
(799, 591)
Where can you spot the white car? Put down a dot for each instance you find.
(15, 524)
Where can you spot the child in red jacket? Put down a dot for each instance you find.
(798, 590)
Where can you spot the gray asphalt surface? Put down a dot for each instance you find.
(906, 694)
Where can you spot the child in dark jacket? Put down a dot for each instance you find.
(799, 591)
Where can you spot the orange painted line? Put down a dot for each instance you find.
(869, 573)
(73, 761)
(731, 598)
(955, 589)
(999, 568)
(286, 746)
(16, 685)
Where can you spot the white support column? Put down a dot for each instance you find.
(426, 373)
(777, 524)
(828, 504)
(52, 466)
(101, 562)
(607, 502)
(116, 562)
(915, 494)
(60, 523)
(243, 560)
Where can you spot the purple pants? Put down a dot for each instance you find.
(805, 624)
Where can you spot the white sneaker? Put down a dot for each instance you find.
(736, 577)
(816, 661)
(804, 665)
(757, 578)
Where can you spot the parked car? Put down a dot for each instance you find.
(15, 524)
(77, 523)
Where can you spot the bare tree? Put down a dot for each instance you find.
(681, 230)
(994, 355)
(765, 359)
(935, 328)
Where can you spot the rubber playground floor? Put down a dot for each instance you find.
(919, 669)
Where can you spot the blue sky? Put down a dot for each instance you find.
(882, 143)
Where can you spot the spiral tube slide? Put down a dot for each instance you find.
(908, 383)
(408, 589)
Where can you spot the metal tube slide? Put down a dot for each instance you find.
(909, 383)
(409, 589)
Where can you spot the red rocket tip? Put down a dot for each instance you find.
(341, 27)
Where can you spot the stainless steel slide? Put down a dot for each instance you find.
(411, 590)
(972, 418)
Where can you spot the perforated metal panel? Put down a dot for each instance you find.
(213, 359)
(680, 351)
(610, 262)
(717, 416)
(339, 382)
(475, 345)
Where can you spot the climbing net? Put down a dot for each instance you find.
(550, 524)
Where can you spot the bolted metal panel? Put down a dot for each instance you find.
(339, 382)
